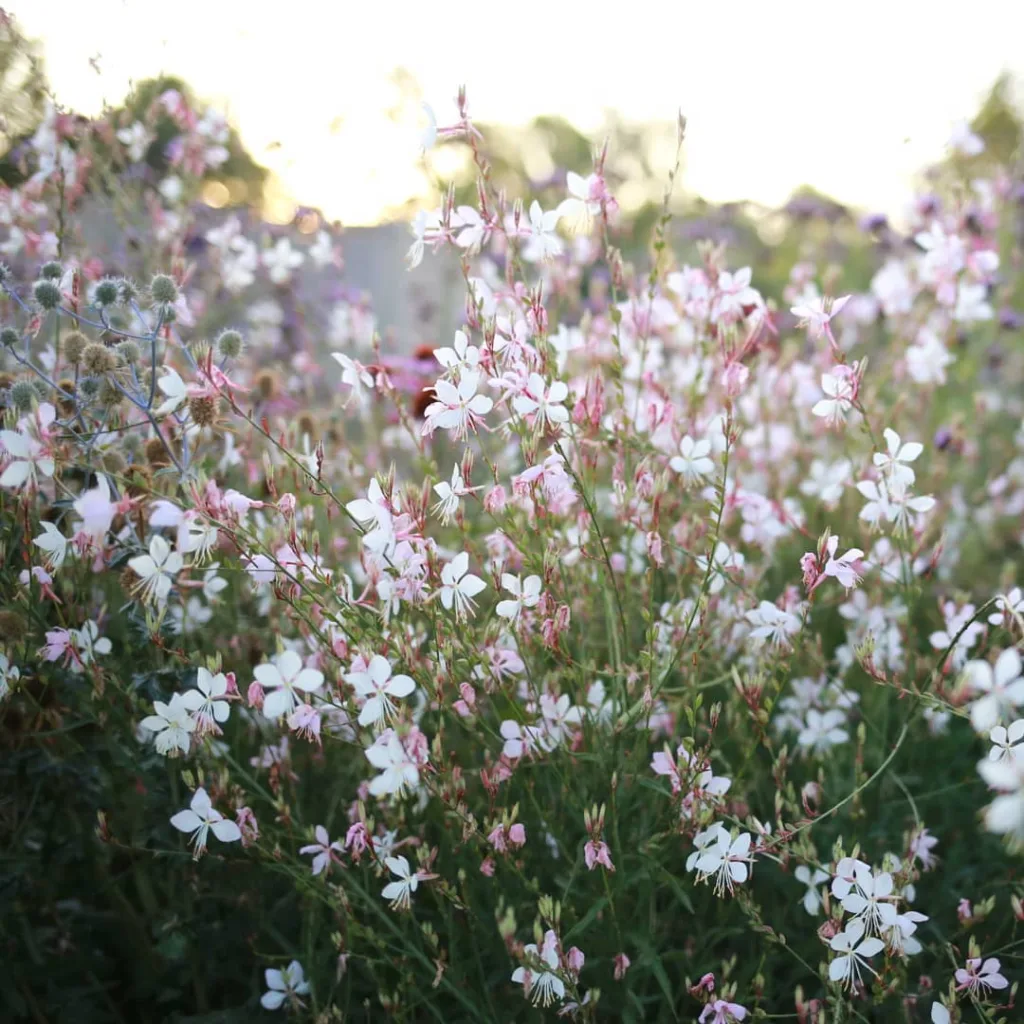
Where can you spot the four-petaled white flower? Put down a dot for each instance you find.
(822, 730)
(459, 586)
(853, 949)
(284, 675)
(771, 624)
(723, 857)
(288, 985)
(542, 241)
(1001, 688)
(840, 389)
(461, 356)
(540, 982)
(200, 819)
(525, 594)
(28, 457)
(894, 463)
(817, 314)
(842, 568)
(543, 400)
(354, 375)
(378, 686)
(812, 880)
(156, 571)
(449, 495)
(176, 390)
(400, 892)
(54, 543)
(871, 901)
(1007, 743)
(692, 462)
(171, 724)
(458, 408)
(398, 770)
(323, 850)
(206, 702)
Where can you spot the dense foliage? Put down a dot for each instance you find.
(649, 651)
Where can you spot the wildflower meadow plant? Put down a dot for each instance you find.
(656, 660)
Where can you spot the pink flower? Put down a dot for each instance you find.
(722, 1012)
(517, 835)
(247, 825)
(977, 977)
(356, 840)
(595, 853)
(622, 963)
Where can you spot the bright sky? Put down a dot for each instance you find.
(852, 98)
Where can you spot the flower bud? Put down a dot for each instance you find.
(97, 359)
(73, 346)
(229, 344)
(23, 395)
(163, 289)
(47, 294)
(106, 292)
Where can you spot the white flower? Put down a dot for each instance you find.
(287, 984)
(96, 509)
(284, 675)
(397, 768)
(1006, 742)
(457, 407)
(771, 624)
(812, 897)
(878, 508)
(449, 495)
(842, 568)
(171, 724)
(725, 858)
(400, 892)
(852, 948)
(545, 401)
(205, 702)
(378, 686)
(136, 139)
(460, 586)
(28, 457)
(9, 674)
(539, 980)
(871, 901)
(723, 559)
(156, 571)
(1005, 814)
(839, 391)
(281, 260)
(323, 850)
(354, 375)
(826, 480)
(1001, 687)
(201, 819)
(525, 594)
(582, 205)
(174, 388)
(542, 242)
(816, 314)
(692, 462)
(894, 464)
(822, 730)
(54, 543)
(461, 357)
(1009, 608)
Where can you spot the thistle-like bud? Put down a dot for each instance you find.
(73, 346)
(22, 395)
(46, 294)
(97, 359)
(230, 344)
(163, 289)
(106, 292)
(51, 271)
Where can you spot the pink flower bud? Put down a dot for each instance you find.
(734, 379)
(575, 959)
(621, 966)
(517, 835)
(255, 695)
(286, 505)
(487, 867)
